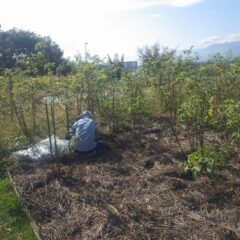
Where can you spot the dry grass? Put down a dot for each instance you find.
(133, 191)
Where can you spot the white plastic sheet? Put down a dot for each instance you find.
(40, 152)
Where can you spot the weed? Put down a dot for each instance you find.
(14, 223)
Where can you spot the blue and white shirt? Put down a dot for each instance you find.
(84, 134)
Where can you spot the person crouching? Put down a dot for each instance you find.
(84, 135)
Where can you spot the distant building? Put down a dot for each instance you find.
(131, 65)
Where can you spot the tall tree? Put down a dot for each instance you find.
(14, 43)
(31, 53)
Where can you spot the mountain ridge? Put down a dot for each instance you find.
(227, 49)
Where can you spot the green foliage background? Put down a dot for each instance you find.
(197, 96)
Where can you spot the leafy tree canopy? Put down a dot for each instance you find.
(31, 53)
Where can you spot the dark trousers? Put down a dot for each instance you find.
(101, 147)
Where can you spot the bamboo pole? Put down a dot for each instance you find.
(49, 131)
(54, 135)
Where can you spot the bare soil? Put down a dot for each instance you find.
(132, 191)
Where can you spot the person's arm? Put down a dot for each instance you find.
(74, 140)
(71, 132)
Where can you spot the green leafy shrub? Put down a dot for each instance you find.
(205, 161)
(229, 115)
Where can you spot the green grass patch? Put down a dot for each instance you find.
(14, 223)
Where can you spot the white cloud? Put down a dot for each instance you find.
(180, 3)
(122, 5)
(217, 39)
(149, 3)
(110, 6)
(157, 15)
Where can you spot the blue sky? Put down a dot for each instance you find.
(121, 26)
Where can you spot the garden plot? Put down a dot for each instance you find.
(133, 191)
